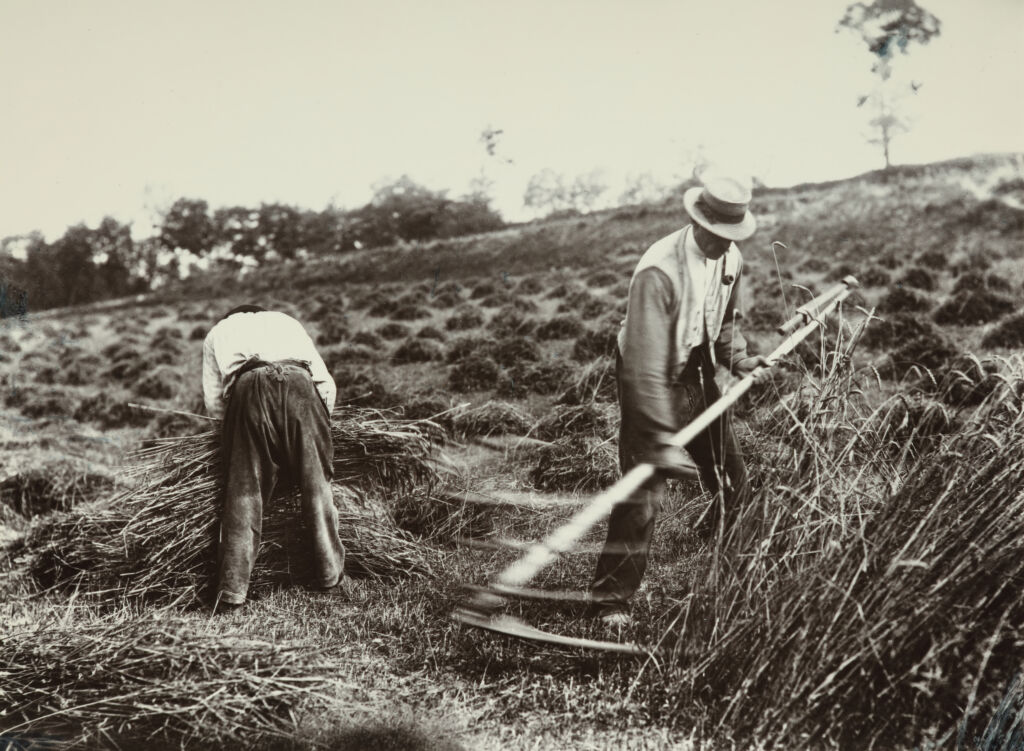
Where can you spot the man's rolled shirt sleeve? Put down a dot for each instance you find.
(646, 370)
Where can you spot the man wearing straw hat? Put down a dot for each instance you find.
(263, 375)
(681, 321)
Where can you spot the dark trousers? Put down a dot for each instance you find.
(723, 472)
(276, 424)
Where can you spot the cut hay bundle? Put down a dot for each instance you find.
(158, 683)
(33, 486)
(882, 605)
(491, 418)
(157, 541)
(578, 463)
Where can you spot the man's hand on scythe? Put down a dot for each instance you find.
(756, 365)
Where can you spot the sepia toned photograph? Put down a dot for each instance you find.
(486, 376)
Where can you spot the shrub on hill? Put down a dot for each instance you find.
(361, 387)
(418, 350)
(410, 312)
(197, 333)
(530, 285)
(474, 373)
(603, 278)
(484, 289)
(576, 464)
(513, 350)
(973, 307)
(469, 345)
(873, 276)
(976, 280)
(491, 418)
(39, 404)
(369, 339)
(966, 381)
(932, 351)
(351, 353)
(904, 300)
(918, 278)
(509, 321)
(565, 420)
(542, 378)
(565, 289)
(815, 265)
(593, 344)
(464, 317)
(893, 330)
(160, 383)
(840, 271)
(1007, 333)
(393, 330)
(333, 329)
(446, 299)
(108, 412)
(932, 259)
(564, 326)
(429, 332)
(594, 382)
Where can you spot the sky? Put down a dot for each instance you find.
(119, 107)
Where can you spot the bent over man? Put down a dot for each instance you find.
(681, 321)
(263, 375)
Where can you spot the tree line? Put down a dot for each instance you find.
(90, 264)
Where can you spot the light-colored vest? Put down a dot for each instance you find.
(669, 255)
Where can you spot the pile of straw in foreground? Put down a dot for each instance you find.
(157, 682)
(157, 540)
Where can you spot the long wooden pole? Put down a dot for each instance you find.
(542, 553)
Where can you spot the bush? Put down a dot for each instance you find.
(348, 353)
(538, 378)
(429, 332)
(514, 350)
(409, 312)
(368, 339)
(593, 344)
(530, 285)
(393, 330)
(932, 351)
(603, 278)
(904, 300)
(491, 418)
(197, 333)
(973, 307)
(565, 420)
(510, 322)
(932, 259)
(109, 413)
(1008, 333)
(891, 331)
(967, 381)
(576, 464)
(484, 289)
(919, 279)
(161, 383)
(447, 299)
(874, 276)
(815, 264)
(467, 346)
(474, 373)
(584, 304)
(333, 329)
(464, 317)
(418, 350)
(594, 383)
(565, 326)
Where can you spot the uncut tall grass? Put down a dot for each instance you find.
(872, 595)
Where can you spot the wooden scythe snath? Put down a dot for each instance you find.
(480, 608)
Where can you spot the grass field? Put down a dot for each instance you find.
(871, 601)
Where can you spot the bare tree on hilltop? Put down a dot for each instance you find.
(887, 27)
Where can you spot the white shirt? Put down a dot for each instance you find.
(703, 274)
(268, 335)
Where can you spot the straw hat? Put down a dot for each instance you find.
(720, 206)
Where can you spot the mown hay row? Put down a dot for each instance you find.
(157, 540)
(160, 683)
